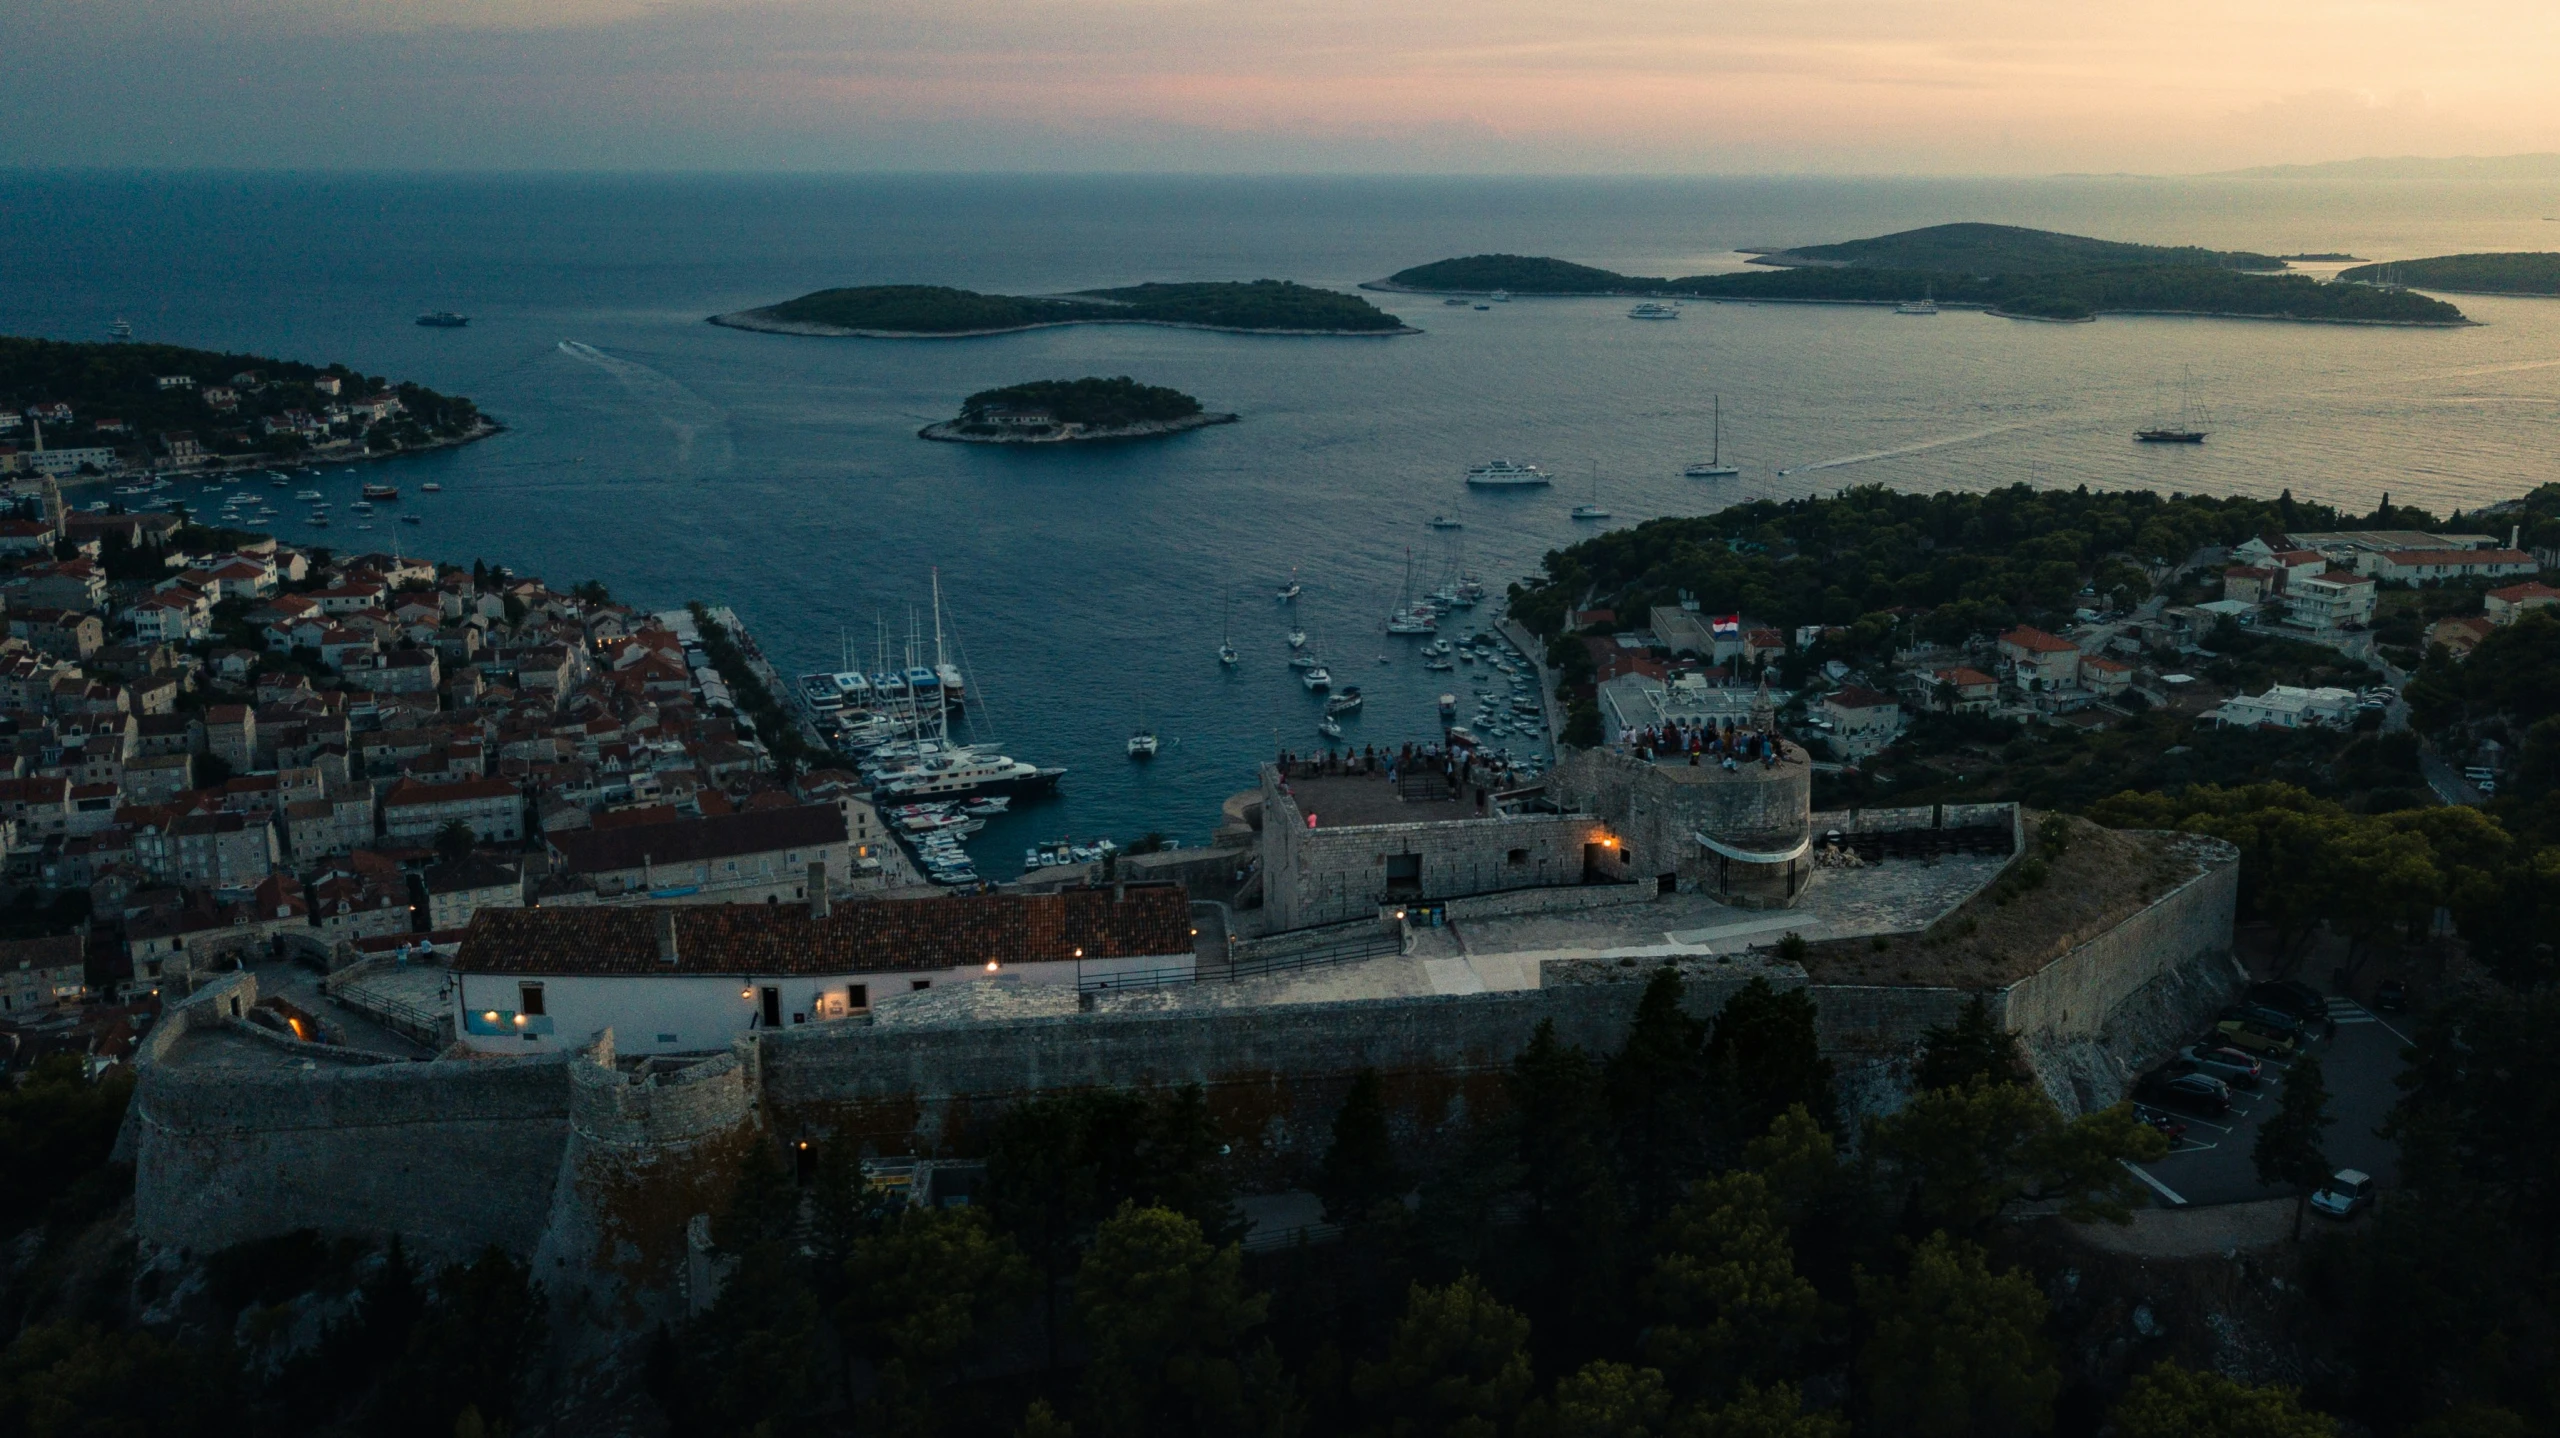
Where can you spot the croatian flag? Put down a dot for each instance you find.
(1729, 627)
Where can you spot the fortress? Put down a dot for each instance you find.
(595, 1161)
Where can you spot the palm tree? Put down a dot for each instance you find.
(454, 841)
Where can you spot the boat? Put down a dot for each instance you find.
(1227, 649)
(2183, 429)
(1500, 297)
(362, 506)
(122, 329)
(1288, 593)
(1442, 521)
(1143, 744)
(1713, 466)
(1927, 304)
(1459, 303)
(306, 494)
(1448, 706)
(1297, 639)
(1302, 661)
(318, 521)
(1437, 665)
(1346, 702)
(1484, 307)
(411, 519)
(1651, 310)
(1317, 679)
(1328, 727)
(381, 491)
(1592, 509)
(443, 320)
(1504, 474)
(431, 487)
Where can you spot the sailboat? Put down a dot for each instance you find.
(1713, 466)
(1409, 617)
(1592, 510)
(1288, 593)
(1226, 641)
(2180, 431)
(1142, 744)
(1297, 639)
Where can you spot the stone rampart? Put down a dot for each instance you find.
(453, 1155)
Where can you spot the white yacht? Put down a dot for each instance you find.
(1317, 679)
(1297, 639)
(1649, 310)
(1504, 474)
(1142, 745)
(1714, 467)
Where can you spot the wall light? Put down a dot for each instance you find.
(991, 966)
(490, 1017)
(1079, 953)
(519, 1021)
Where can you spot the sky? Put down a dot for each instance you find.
(1370, 86)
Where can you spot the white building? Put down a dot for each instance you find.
(685, 978)
(2331, 601)
(2286, 707)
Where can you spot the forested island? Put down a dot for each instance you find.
(2514, 273)
(939, 312)
(2027, 274)
(126, 406)
(1053, 411)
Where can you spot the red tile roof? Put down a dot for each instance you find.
(2036, 641)
(688, 841)
(1144, 921)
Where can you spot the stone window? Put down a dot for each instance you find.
(1404, 873)
(1518, 856)
(920, 985)
(858, 997)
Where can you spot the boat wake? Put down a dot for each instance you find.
(701, 430)
(1899, 450)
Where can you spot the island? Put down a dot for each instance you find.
(1066, 411)
(2510, 273)
(1271, 307)
(2007, 270)
(74, 410)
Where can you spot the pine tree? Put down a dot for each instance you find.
(1360, 1170)
(2289, 1150)
(1657, 1096)
(1974, 1044)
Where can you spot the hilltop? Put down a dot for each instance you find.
(934, 311)
(2512, 273)
(1979, 249)
(2022, 273)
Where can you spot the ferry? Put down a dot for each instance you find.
(1504, 474)
(382, 491)
(1652, 311)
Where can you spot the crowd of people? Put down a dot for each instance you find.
(1704, 743)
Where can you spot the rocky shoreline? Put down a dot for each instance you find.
(949, 431)
(762, 323)
(1993, 310)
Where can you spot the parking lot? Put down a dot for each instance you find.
(2358, 1062)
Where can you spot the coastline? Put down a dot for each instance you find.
(260, 464)
(1671, 294)
(759, 323)
(948, 431)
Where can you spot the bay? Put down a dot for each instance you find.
(676, 460)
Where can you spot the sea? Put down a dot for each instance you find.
(1086, 589)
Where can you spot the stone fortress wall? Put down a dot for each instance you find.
(599, 1165)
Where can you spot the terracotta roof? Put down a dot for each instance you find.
(2457, 556)
(409, 791)
(687, 841)
(2531, 589)
(1965, 678)
(1147, 920)
(2104, 666)
(2036, 641)
(1854, 697)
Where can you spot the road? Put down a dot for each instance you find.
(2358, 1064)
(2448, 782)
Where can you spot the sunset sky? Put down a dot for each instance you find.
(1972, 86)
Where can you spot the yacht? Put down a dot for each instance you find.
(1917, 307)
(1714, 467)
(967, 773)
(1142, 745)
(1302, 661)
(1316, 679)
(411, 519)
(1592, 508)
(1288, 593)
(306, 494)
(1649, 310)
(1297, 639)
(382, 491)
(1346, 702)
(1328, 727)
(1504, 474)
(431, 487)
(1500, 297)
(1227, 655)
(1442, 521)
(1412, 621)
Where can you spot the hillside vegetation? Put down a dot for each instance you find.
(1091, 401)
(2034, 274)
(2523, 273)
(2011, 250)
(939, 310)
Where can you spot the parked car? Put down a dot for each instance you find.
(2391, 995)
(2190, 1093)
(2256, 1038)
(2266, 1017)
(2346, 1191)
(2292, 996)
(2221, 1061)
(2169, 1128)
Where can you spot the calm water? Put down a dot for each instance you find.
(673, 459)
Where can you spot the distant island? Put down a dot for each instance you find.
(935, 312)
(2410, 167)
(107, 408)
(1055, 411)
(2514, 273)
(2020, 273)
